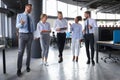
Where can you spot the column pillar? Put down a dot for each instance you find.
(36, 12)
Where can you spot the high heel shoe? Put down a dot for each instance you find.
(73, 58)
(60, 60)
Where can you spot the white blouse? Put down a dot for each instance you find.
(60, 24)
(43, 26)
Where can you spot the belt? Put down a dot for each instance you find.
(26, 33)
(89, 34)
(61, 33)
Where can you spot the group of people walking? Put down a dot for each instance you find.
(26, 28)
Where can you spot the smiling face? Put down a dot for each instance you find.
(87, 14)
(44, 19)
(60, 15)
(28, 8)
(76, 20)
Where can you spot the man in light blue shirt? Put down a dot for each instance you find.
(22, 25)
(26, 28)
(89, 28)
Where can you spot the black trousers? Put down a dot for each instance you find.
(89, 41)
(61, 37)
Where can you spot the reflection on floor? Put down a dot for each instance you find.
(67, 70)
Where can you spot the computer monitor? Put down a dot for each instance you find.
(116, 36)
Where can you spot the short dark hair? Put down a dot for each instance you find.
(79, 18)
(28, 5)
(59, 12)
(88, 12)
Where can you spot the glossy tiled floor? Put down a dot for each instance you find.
(67, 70)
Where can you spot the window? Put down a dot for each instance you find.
(49, 7)
(5, 23)
(62, 7)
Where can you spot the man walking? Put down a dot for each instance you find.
(90, 25)
(26, 28)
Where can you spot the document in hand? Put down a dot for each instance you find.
(63, 28)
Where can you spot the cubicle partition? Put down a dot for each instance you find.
(104, 34)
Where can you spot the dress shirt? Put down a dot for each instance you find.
(76, 30)
(24, 28)
(60, 24)
(92, 23)
(43, 26)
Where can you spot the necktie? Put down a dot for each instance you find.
(87, 25)
(28, 22)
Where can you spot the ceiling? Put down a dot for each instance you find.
(16, 6)
(13, 6)
(104, 6)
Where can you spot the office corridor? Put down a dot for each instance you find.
(68, 70)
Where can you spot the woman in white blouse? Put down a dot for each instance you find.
(44, 28)
(60, 27)
(76, 29)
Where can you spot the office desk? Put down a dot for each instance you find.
(105, 43)
(2, 47)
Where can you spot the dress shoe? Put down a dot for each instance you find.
(19, 73)
(76, 59)
(60, 60)
(93, 62)
(88, 62)
(28, 69)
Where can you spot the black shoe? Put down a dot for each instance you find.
(19, 73)
(73, 58)
(88, 62)
(28, 69)
(60, 60)
(76, 59)
(93, 62)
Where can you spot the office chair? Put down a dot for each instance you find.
(106, 35)
(110, 58)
